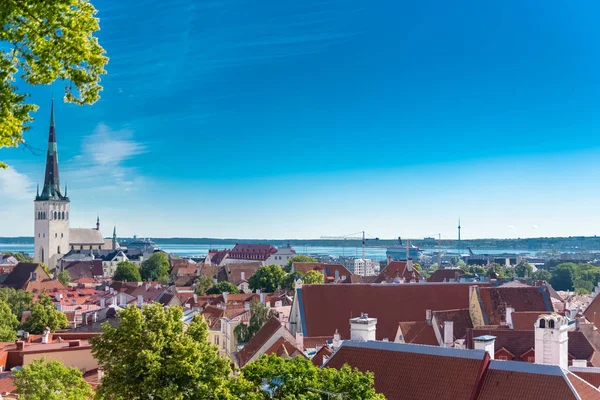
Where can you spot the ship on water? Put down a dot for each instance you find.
(399, 251)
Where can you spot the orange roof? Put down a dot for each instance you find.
(259, 340)
(418, 332)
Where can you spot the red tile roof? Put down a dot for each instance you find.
(592, 312)
(584, 389)
(419, 332)
(328, 270)
(258, 251)
(283, 348)
(397, 269)
(320, 358)
(6, 383)
(461, 319)
(525, 319)
(325, 308)
(590, 375)
(313, 342)
(496, 299)
(272, 326)
(445, 275)
(405, 371)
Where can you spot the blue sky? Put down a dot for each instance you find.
(287, 119)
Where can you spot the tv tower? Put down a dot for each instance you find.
(458, 230)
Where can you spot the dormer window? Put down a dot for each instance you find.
(551, 323)
(542, 323)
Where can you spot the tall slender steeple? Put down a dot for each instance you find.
(459, 230)
(98, 223)
(51, 189)
(114, 238)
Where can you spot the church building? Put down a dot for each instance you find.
(53, 236)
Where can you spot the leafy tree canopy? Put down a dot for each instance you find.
(564, 276)
(524, 269)
(21, 257)
(299, 378)
(43, 314)
(223, 286)
(267, 278)
(289, 281)
(127, 272)
(41, 42)
(313, 278)
(18, 300)
(203, 283)
(51, 381)
(298, 258)
(8, 323)
(156, 267)
(151, 355)
(64, 277)
(259, 315)
(542, 275)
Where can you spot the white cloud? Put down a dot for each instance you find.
(14, 185)
(512, 227)
(534, 227)
(108, 147)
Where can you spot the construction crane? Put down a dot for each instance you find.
(352, 237)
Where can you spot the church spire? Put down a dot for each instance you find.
(98, 223)
(51, 189)
(114, 238)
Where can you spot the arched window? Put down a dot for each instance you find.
(63, 215)
(542, 323)
(42, 254)
(61, 235)
(55, 215)
(55, 235)
(551, 323)
(58, 249)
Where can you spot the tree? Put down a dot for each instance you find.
(64, 277)
(299, 378)
(298, 258)
(203, 283)
(313, 277)
(43, 314)
(524, 269)
(127, 272)
(51, 380)
(563, 276)
(18, 300)
(151, 355)
(259, 315)
(42, 42)
(542, 275)
(289, 281)
(418, 267)
(8, 323)
(156, 267)
(267, 278)
(20, 256)
(223, 286)
(497, 269)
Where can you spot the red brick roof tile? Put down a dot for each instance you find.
(259, 340)
(445, 275)
(461, 319)
(584, 389)
(496, 299)
(418, 332)
(397, 269)
(525, 319)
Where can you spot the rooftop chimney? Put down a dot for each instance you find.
(243, 275)
(140, 300)
(428, 316)
(509, 321)
(409, 265)
(487, 343)
(363, 328)
(263, 298)
(139, 285)
(580, 363)
(336, 340)
(552, 340)
(20, 344)
(448, 333)
(300, 341)
(74, 343)
(225, 295)
(102, 302)
(46, 336)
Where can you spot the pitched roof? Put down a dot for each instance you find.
(85, 236)
(590, 375)
(252, 251)
(321, 356)
(406, 371)
(418, 332)
(325, 308)
(21, 274)
(495, 300)
(84, 269)
(519, 380)
(525, 319)
(397, 269)
(329, 271)
(583, 388)
(592, 312)
(259, 339)
(445, 275)
(461, 321)
(284, 348)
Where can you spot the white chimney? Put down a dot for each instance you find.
(363, 328)
(102, 302)
(122, 299)
(509, 321)
(579, 363)
(100, 374)
(552, 340)
(263, 298)
(148, 286)
(46, 336)
(95, 317)
(448, 333)
(113, 300)
(336, 340)
(300, 341)
(247, 306)
(409, 265)
(243, 275)
(140, 300)
(487, 343)
(428, 316)
(140, 284)
(225, 297)
(195, 298)
(58, 296)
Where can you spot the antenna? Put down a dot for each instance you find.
(439, 251)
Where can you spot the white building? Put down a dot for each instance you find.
(364, 267)
(552, 340)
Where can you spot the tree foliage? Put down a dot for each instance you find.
(564, 276)
(151, 355)
(18, 300)
(64, 277)
(202, 284)
(127, 272)
(8, 323)
(524, 269)
(156, 267)
(20, 256)
(289, 281)
(43, 314)
(223, 286)
(41, 42)
(542, 275)
(313, 278)
(267, 278)
(299, 378)
(298, 258)
(51, 380)
(259, 315)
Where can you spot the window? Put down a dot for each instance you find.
(551, 324)
(503, 358)
(217, 340)
(42, 254)
(542, 323)
(55, 215)
(58, 250)
(62, 235)
(56, 235)
(531, 359)
(63, 215)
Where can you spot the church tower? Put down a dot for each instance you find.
(51, 209)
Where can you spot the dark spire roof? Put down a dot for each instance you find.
(51, 190)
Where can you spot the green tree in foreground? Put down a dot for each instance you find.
(524, 269)
(542, 275)
(43, 314)
(298, 258)
(223, 286)
(259, 315)
(51, 381)
(151, 355)
(156, 267)
(299, 378)
(64, 277)
(267, 278)
(8, 323)
(18, 300)
(127, 272)
(203, 283)
(41, 42)
(313, 278)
